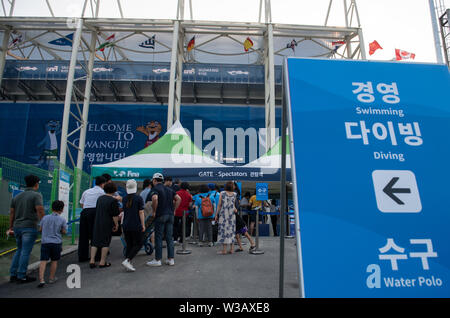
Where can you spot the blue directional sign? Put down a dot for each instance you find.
(370, 156)
(262, 191)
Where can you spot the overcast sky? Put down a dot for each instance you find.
(403, 24)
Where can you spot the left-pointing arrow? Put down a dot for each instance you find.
(389, 190)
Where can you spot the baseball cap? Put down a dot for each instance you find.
(131, 186)
(158, 176)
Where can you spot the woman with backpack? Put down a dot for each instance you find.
(226, 218)
(206, 204)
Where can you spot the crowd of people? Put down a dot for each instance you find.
(162, 203)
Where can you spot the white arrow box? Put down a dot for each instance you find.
(402, 186)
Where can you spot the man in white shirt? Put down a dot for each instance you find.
(88, 202)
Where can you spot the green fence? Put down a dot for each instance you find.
(12, 174)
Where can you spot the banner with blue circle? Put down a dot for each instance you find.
(370, 153)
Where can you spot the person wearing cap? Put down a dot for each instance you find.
(164, 202)
(26, 210)
(133, 223)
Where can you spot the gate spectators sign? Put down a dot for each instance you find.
(370, 155)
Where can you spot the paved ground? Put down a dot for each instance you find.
(202, 274)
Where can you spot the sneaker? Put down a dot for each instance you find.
(52, 281)
(41, 284)
(170, 262)
(154, 263)
(13, 279)
(211, 244)
(126, 263)
(25, 280)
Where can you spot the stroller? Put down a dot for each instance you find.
(149, 229)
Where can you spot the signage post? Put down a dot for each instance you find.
(370, 172)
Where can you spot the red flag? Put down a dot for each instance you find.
(373, 47)
(191, 44)
(403, 55)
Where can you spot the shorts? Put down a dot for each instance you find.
(242, 230)
(51, 251)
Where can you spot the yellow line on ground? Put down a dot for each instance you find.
(15, 248)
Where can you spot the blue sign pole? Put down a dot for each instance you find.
(370, 160)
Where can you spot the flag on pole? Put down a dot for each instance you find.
(149, 44)
(403, 55)
(248, 43)
(337, 44)
(373, 47)
(15, 41)
(64, 41)
(108, 43)
(191, 44)
(292, 45)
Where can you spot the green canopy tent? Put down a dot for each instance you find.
(173, 154)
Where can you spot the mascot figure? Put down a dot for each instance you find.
(50, 143)
(152, 131)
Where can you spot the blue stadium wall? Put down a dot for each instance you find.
(111, 134)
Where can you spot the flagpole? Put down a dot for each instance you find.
(434, 24)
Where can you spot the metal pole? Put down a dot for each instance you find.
(441, 24)
(268, 7)
(184, 251)
(173, 71)
(86, 103)
(362, 46)
(69, 88)
(437, 41)
(285, 113)
(5, 42)
(270, 135)
(195, 228)
(328, 12)
(11, 9)
(179, 79)
(257, 251)
(240, 214)
(85, 115)
(346, 13)
(283, 189)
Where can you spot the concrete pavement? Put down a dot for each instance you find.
(202, 274)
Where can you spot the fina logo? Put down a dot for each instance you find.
(120, 174)
(123, 174)
(52, 68)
